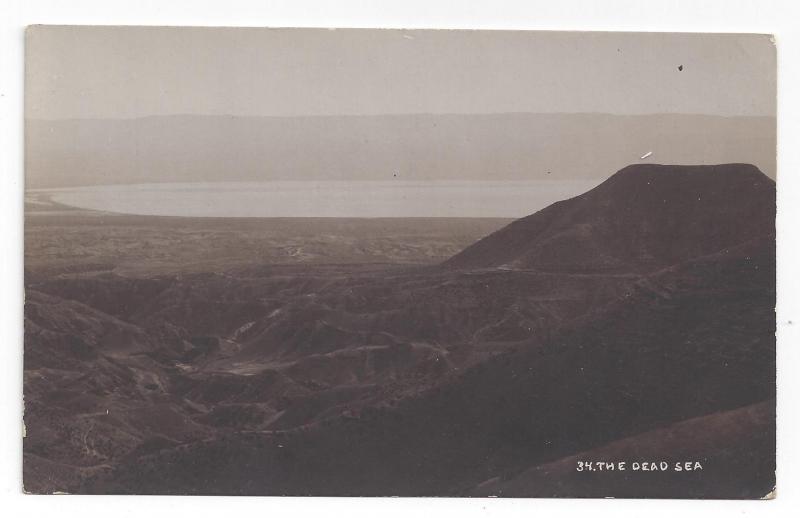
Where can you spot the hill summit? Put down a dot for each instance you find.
(643, 218)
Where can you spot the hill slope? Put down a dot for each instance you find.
(643, 218)
(690, 341)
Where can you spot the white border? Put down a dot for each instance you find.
(765, 16)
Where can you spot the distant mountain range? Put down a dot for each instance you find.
(189, 148)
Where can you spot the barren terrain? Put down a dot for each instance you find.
(374, 357)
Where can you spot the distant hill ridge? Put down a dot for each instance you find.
(644, 217)
(521, 146)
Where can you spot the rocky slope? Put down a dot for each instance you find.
(643, 218)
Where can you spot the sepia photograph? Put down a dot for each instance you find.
(399, 262)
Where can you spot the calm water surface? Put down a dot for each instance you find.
(367, 199)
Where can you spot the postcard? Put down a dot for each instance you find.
(374, 262)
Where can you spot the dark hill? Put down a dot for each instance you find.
(643, 218)
(742, 440)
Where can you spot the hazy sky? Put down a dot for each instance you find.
(116, 72)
